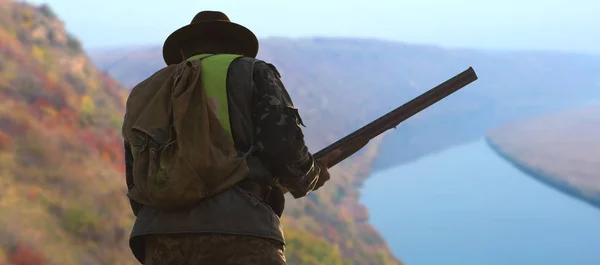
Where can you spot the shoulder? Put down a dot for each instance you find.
(259, 67)
(267, 68)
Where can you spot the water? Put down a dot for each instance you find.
(467, 206)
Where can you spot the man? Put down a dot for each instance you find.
(239, 225)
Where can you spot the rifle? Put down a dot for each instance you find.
(355, 141)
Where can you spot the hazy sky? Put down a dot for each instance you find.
(572, 25)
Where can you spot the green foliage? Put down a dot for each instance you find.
(307, 249)
(77, 219)
(87, 105)
(116, 121)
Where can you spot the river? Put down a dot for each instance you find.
(467, 206)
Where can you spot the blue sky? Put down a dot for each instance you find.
(569, 25)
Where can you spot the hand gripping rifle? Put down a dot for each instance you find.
(355, 141)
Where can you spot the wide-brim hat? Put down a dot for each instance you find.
(210, 26)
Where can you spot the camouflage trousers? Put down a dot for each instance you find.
(213, 249)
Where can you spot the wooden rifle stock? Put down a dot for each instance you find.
(355, 141)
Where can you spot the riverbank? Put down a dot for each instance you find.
(544, 177)
(561, 150)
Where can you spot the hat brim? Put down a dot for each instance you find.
(240, 38)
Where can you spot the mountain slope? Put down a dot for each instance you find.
(562, 150)
(62, 197)
(62, 190)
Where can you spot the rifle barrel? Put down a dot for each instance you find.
(402, 113)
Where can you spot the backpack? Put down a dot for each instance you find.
(177, 124)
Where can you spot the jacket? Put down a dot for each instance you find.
(261, 112)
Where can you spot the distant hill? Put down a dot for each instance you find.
(340, 84)
(560, 149)
(62, 190)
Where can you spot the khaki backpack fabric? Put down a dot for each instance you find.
(177, 124)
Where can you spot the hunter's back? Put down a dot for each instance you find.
(234, 211)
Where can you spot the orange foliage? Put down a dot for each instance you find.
(107, 157)
(5, 140)
(24, 255)
(32, 194)
(121, 168)
(107, 81)
(48, 84)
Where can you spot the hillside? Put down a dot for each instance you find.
(562, 150)
(62, 190)
(59, 137)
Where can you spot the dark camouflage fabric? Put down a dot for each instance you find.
(196, 249)
(279, 136)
